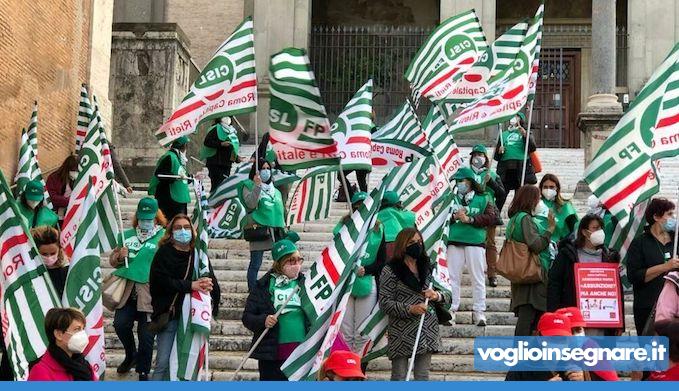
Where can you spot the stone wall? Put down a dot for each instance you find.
(44, 55)
(150, 75)
(370, 12)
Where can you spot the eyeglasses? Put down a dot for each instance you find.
(295, 261)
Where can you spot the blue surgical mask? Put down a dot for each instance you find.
(462, 188)
(181, 236)
(265, 175)
(670, 225)
(146, 225)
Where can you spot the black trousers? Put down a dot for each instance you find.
(170, 208)
(361, 178)
(217, 175)
(527, 321)
(270, 370)
(123, 323)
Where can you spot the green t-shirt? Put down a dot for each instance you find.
(515, 145)
(291, 322)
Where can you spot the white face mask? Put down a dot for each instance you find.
(549, 194)
(73, 175)
(291, 271)
(78, 342)
(597, 237)
(514, 122)
(51, 260)
(32, 204)
(225, 121)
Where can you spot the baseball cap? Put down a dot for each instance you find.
(345, 364)
(34, 191)
(147, 208)
(554, 325)
(574, 315)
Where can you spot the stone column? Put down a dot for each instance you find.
(603, 110)
(278, 24)
(100, 57)
(485, 10)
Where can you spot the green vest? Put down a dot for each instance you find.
(45, 216)
(560, 216)
(480, 178)
(546, 258)
(179, 189)
(515, 145)
(515, 233)
(460, 232)
(394, 221)
(140, 256)
(270, 211)
(609, 228)
(229, 134)
(291, 322)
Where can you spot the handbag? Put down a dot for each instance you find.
(256, 233)
(517, 263)
(535, 160)
(160, 322)
(112, 291)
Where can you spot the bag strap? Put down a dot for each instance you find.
(186, 275)
(511, 226)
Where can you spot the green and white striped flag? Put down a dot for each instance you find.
(83, 282)
(299, 130)
(188, 359)
(535, 68)
(496, 58)
(401, 140)
(228, 189)
(84, 114)
(622, 174)
(26, 291)
(28, 168)
(226, 86)
(313, 196)
(450, 49)
(352, 129)
(507, 92)
(36, 173)
(442, 142)
(666, 133)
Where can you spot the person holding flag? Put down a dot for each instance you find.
(492, 185)
(511, 156)
(32, 208)
(170, 279)
(60, 184)
(394, 219)
(599, 209)
(169, 183)
(220, 150)
(274, 303)
(133, 264)
(47, 242)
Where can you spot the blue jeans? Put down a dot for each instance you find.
(255, 263)
(123, 322)
(164, 341)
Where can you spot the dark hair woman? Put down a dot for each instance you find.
(564, 213)
(528, 301)
(47, 241)
(650, 257)
(405, 283)
(60, 184)
(64, 359)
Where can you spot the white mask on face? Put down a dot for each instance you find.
(514, 122)
(292, 271)
(225, 121)
(549, 194)
(73, 175)
(597, 237)
(32, 204)
(78, 342)
(50, 260)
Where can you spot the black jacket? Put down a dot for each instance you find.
(257, 307)
(645, 252)
(561, 285)
(223, 156)
(166, 280)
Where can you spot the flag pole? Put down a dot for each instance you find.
(261, 336)
(525, 155)
(344, 185)
(411, 362)
(676, 229)
(120, 223)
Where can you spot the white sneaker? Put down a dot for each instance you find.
(452, 318)
(480, 319)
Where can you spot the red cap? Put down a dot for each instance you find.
(345, 364)
(554, 325)
(574, 315)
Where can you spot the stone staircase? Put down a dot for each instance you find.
(230, 340)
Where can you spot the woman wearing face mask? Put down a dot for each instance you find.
(474, 213)
(172, 193)
(610, 222)
(67, 340)
(170, 279)
(587, 247)
(266, 215)
(220, 150)
(564, 213)
(47, 241)
(32, 208)
(405, 284)
(269, 293)
(510, 153)
(650, 257)
(528, 301)
(140, 245)
(60, 184)
(492, 185)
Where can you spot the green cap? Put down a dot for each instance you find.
(359, 197)
(147, 208)
(180, 142)
(464, 173)
(390, 198)
(34, 191)
(282, 248)
(292, 236)
(522, 116)
(480, 148)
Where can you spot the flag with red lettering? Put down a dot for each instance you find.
(352, 129)
(313, 196)
(226, 86)
(401, 140)
(83, 282)
(299, 130)
(26, 291)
